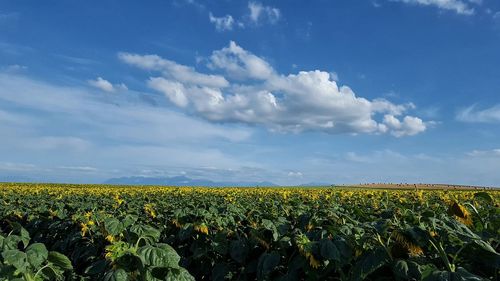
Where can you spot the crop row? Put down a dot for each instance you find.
(95, 232)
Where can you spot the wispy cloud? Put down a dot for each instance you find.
(222, 23)
(472, 114)
(260, 13)
(257, 15)
(462, 7)
(481, 153)
(67, 127)
(106, 86)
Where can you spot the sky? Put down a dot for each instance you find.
(345, 91)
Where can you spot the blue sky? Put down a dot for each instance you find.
(284, 91)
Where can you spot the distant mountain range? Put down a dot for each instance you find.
(181, 181)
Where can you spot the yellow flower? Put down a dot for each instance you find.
(110, 238)
(176, 223)
(88, 215)
(460, 213)
(411, 248)
(150, 211)
(314, 263)
(201, 228)
(84, 229)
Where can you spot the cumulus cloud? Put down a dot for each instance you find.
(102, 84)
(473, 115)
(260, 13)
(239, 63)
(255, 93)
(462, 7)
(408, 127)
(222, 23)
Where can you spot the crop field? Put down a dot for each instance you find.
(98, 232)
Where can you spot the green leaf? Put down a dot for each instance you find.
(179, 274)
(269, 225)
(239, 251)
(113, 226)
(146, 231)
(460, 274)
(11, 242)
(130, 262)
(267, 263)
(37, 253)
(18, 229)
(483, 196)
(159, 272)
(129, 220)
(329, 251)
(15, 258)
(116, 275)
(401, 269)
(96, 268)
(163, 256)
(52, 273)
(59, 260)
(368, 263)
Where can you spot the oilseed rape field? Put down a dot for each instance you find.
(103, 232)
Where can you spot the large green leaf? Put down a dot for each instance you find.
(18, 229)
(329, 251)
(113, 226)
(368, 263)
(267, 263)
(150, 233)
(117, 275)
(269, 225)
(239, 250)
(130, 262)
(459, 275)
(162, 256)
(484, 197)
(179, 274)
(59, 260)
(37, 253)
(15, 258)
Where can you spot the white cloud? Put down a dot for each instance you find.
(334, 76)
(260, 13)
(258, 95)
(102, 84)
(462, 7)
(408, 127)
(239, 63)
(487, 153)
(473, 115)
(295, 174)
(173, 70)
(78, 168)
(22, 167)
(15, 68)
(60, 126)
(222, 23)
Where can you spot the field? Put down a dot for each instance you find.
(97, 232)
